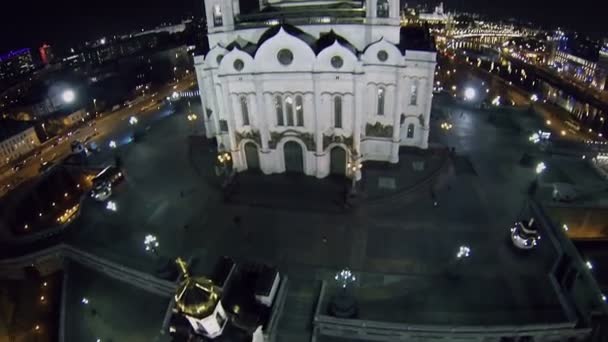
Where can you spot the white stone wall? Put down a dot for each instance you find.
(226, 76)
(18, 145)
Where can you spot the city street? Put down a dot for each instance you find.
(93, 130)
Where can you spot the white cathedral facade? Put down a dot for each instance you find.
(311, 85)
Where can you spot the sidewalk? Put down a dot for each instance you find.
(382, 183)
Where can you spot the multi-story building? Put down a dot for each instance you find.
(17, 138)
(580, 59)
(46, 54)
(15, 64)
(309, 86)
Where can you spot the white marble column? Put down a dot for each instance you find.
(317, 112)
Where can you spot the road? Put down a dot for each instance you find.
(93, 130)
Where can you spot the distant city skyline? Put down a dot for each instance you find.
(66, 22)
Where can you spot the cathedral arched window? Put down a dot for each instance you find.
(217, 15)
(410, 131)
(338, 112)
(244, 111)
(278, 105)
(381, 100)
(289, 110)
(382, 9)
(299, 111)
(414, 92)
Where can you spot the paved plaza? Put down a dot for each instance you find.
(98, 307)
(401, 246)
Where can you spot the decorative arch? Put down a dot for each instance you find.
(211, 59)
(227, 66)
(394, 55)
(266, 55)
(323, 62)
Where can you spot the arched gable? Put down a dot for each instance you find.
(327, 59)
(236, 59)
(374, 52)
(267, 55)
(215, 56)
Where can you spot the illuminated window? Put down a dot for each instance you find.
(217, 15)
(299, 111)
(278, 105)
(381, 96)
(410, 131)
(244, 111)
(414, 93)
(382, 9)
(289, 110)
(338, 112)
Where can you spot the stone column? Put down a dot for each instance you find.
(317, 124)
(358, 120)
(397, 110)
(229, 117)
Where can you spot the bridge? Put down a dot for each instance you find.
(486, 33)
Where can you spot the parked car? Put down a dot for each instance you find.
(101, 191)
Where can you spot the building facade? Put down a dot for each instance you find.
(311, 86)
(16, 139)
(15, 64)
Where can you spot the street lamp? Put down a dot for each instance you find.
(133, 120)
(470, 94)
(534, 98)
(540, 168)
(68, 96)
(151, 243)
(111, 206)
(112, 144)
(345, 277)
(463, 252)
(354, 167)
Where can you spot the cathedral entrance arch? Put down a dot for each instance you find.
(252, 157)
(294, 157)
(338, 161)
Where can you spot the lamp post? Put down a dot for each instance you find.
(151, 244)
(354, 168)
(540, 168)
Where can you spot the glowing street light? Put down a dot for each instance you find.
(345, 277)
(540, 168)
(354, 167)
(446, 126)
(534, 98)
(111, 206)
(133, 120)
(589, 265)
(68, 96)
(85, 301)
(496, 101)
(463, 252)
(112, 144)
(151, 243)
(470, 94)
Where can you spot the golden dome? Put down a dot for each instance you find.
(196, 296)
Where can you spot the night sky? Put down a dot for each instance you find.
(64, 22)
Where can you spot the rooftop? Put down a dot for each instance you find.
(9, 128)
